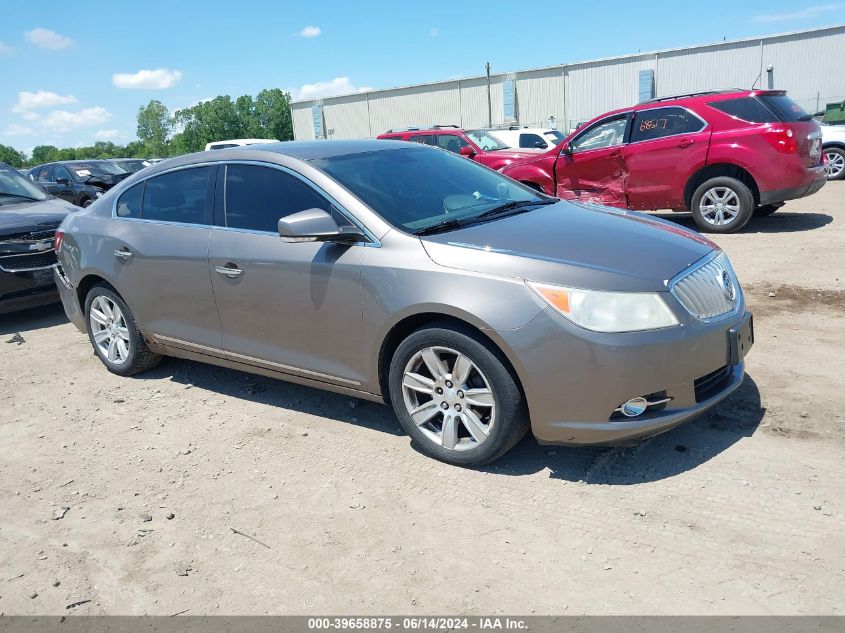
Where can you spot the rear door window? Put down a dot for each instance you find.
(129, 203)
(450, 142)
(427, 139)
(746, 109)
(180, 196)
(662, 122)
(257, 197)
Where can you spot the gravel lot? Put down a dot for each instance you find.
(740, 511)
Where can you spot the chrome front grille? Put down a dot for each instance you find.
(26, 262)
(709, 291)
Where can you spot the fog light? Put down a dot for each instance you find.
(634, 407)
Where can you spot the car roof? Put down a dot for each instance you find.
(310, 150)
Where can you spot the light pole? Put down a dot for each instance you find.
(489, 99)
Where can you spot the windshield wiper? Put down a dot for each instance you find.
(513, 204)
(446, 225)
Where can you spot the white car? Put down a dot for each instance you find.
(833, 144)
(528, 137)
(238, 142)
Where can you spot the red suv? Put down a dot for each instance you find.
(724, 155)
(475, 144)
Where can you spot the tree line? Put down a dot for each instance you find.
(162, 133)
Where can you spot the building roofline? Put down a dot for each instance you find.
(615, 58)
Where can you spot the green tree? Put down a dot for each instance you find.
(44, 154)
(12, 157)
(154, 127)
(272, 113)
(212, 120)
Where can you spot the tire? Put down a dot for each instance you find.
(736, 198)
(130, 357)
(767, 209)
(86, 202)
(499, 416)
(836, 163)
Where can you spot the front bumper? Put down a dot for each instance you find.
(575, 379)
(24, 290)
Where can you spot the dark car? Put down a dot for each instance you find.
(80, 182)
(131, 165)
(28, 220)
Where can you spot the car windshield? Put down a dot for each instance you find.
(416, 189)
(14, 188)
(486, 142)
(132, 165)
(81, 171)
(555, 136)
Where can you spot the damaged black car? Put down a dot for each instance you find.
(28, 220)
(80, 182)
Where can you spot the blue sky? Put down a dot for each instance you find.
(71, 71)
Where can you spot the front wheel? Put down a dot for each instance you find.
(835, 163)
(722, 205)
(455, 396)
(114, 333)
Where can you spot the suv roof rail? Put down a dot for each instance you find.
(416, 128)
(693, 94)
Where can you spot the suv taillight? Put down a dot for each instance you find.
(782, 139)
(57, 242)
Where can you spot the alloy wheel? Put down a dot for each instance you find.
(448, 398)
(109, 330)
(835, 164)
(719, 206)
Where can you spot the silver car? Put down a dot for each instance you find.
(400, 273)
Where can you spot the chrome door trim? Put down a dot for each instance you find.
(242, 358)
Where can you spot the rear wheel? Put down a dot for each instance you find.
(114, 333)
(455, 396)
(835, 163)
(722, 205)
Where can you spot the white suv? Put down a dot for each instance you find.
(528, 137)
(833, 145)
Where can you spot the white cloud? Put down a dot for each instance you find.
(15, 129)
(801, 14)
(40, 99)
(102, 135)
(30, 116)
(64, 121)
(337, 86)
(311, 31)
(157, 79)
(434, 32)
(45, 38)
(6, 50)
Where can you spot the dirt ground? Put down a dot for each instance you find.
(738, 512)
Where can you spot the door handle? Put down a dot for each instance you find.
(230, 270)
(123, 254)
(686, 142)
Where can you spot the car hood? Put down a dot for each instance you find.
(106, 181)
(27, 217)
(574, 244)
(527, 159)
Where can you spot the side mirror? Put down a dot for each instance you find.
(565, 148)
(467, 151)
(62, 181)
(315, 225)
(539, 145)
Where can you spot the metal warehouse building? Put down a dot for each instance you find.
(809, 64)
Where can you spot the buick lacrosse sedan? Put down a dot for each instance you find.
(396, 272)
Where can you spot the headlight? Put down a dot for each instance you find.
(608, 311)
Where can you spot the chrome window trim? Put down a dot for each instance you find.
(703, 127)
(373, 242)
(701, 263)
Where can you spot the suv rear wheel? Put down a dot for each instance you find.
(455, 396)
(722, 205)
